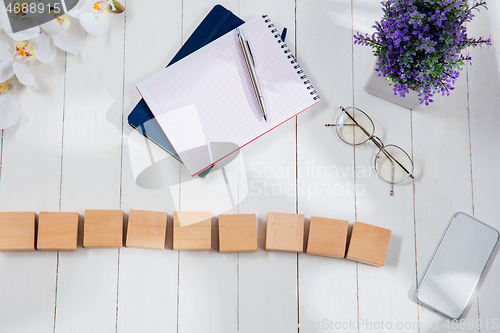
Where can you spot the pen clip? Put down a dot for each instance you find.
(250, 51)
(245, 42)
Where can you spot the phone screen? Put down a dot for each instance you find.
(457, 266)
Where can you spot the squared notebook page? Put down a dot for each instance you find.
(205, 102)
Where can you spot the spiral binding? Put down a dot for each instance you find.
(289, 54)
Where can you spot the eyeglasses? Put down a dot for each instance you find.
(392, 163)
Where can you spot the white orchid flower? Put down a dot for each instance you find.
(66, 34)
(59, 32)
(10, 110)
(93, 15)
(13, 63)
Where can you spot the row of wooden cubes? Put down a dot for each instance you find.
(192, 231)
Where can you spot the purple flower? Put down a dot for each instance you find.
(419, 44)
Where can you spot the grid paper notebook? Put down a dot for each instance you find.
(205, 102)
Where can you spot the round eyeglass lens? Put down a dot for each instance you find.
(354, 127)
(393, 164)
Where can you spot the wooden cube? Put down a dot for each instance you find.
(327, 237)
(237, 233)
(17, 231)
(103, 228)
(368, 244)
(285, 232)
(146, 229)
(57, 231)
(192, 230)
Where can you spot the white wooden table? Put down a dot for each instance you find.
(78, 152)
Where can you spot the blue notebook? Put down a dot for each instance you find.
(216, 24)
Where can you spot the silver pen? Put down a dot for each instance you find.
(247, 55)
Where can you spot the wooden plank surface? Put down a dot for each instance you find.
(207, 281)
(30, 180)
(484, 79)
(91, 179)
(147, 293)
(444, 181)
(267, 278)
(375, 206)
(326, 168)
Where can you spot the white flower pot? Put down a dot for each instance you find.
(380, 87)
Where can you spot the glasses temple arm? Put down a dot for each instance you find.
(392, 178)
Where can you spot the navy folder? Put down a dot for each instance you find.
(216, 24)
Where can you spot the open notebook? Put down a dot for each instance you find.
(205, 102)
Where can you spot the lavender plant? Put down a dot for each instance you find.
(420, 43)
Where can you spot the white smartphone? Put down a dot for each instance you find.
(455, 270)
